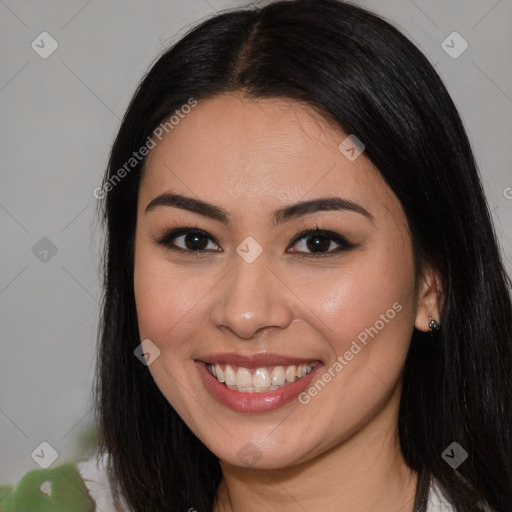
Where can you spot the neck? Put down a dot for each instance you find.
(364, 472)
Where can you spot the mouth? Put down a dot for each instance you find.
(259, 380)
(256, 383)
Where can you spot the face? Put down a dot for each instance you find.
(305, 314)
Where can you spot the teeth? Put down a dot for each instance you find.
(261, 380)
(290, 373)
(229, 376)
(219, 373)
(277, 377)
(243, 378)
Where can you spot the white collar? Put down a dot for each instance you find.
(438, 502)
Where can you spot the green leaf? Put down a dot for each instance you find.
(60, 489)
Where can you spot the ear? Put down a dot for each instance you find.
(429, 299)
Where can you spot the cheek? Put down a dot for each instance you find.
(370, 298)
(167, 300)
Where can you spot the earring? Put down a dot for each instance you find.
(432, 325)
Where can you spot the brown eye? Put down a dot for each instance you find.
(320, 243)
(312, 243)
(192, 240)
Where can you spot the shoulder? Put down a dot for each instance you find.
(438, 502)
(94, 474)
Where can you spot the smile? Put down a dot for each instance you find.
(258, 380)
(256, 383)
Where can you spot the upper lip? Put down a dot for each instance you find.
(254, 360)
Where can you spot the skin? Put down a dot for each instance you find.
(340, 451)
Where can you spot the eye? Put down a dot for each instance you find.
(192, 241)
(196, 242)
(319, 242)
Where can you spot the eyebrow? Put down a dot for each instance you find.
(279, 216)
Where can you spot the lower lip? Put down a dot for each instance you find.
(255, 402)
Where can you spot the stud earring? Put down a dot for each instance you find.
(432, 325)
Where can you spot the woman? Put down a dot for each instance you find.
(307, 261)
(305, 306)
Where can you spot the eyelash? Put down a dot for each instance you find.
(344, 244)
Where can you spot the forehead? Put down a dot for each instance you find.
(256, 153)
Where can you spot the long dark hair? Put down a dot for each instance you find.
(357, 69)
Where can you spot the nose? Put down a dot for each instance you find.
(253, 299)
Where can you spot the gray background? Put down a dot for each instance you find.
(59, 116)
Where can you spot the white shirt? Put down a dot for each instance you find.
(95, 477)
(96, 480)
